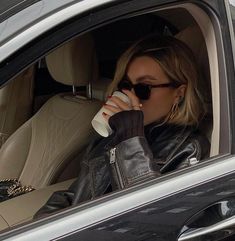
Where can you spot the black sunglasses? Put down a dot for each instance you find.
(143, 90)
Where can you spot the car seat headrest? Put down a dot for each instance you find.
(74, 63)
(196, 43)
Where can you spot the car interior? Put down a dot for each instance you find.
(46, 111)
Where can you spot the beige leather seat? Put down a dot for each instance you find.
(39, 151)
(16, 100)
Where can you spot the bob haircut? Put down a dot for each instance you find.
(178, 63)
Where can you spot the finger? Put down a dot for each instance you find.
(120, 103)
(135, 102)
(112, 108)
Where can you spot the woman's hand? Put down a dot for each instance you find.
(121, 105)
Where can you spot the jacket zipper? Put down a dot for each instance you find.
(116, 167)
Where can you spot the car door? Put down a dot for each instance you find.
(196, 203)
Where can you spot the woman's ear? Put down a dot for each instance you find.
(180, 93)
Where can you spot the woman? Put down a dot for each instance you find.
(156, 134)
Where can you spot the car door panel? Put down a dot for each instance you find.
(163, 219)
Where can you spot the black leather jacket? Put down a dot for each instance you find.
(137, 159)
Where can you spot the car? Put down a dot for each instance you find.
(56, 61)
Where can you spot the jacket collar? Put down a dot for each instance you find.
(154, 131)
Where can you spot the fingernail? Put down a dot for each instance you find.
(109, 96)
(104, 113)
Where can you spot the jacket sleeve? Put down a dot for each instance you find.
(57, 201)
(131, 161)
(129, 154)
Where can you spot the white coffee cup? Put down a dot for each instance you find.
(99, 123)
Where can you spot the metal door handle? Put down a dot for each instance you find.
(214, 222)
(225, 226)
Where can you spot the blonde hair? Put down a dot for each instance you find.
(178, 63)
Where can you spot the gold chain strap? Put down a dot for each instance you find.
(15, 188)
(11, 189)
(15, 191)
(9, 180)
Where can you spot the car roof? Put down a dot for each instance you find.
(11, 7)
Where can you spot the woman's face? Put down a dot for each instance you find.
(146, 70)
